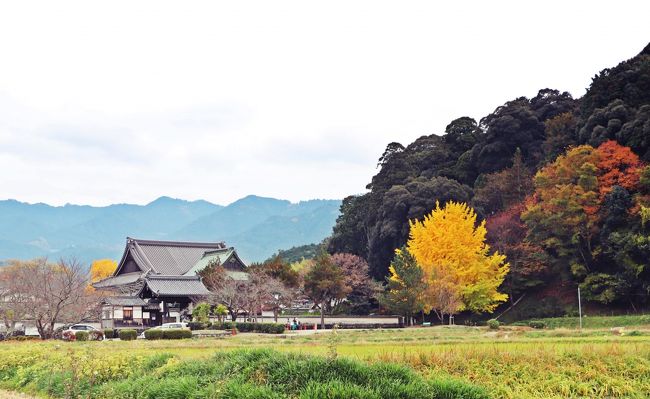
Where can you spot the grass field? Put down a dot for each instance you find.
(513, 362)
(594, 321)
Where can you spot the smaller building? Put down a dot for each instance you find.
(156, 281)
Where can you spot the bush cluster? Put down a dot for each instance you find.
(128, 335)
(538, 324)
(493, 324)
(197, 325)
(153, 334)
(227, 325)
(81, 335)
(22, 338)
(68, 335)
(109, 333)
(176, 333)
(266, 328)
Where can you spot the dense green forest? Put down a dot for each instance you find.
(561, 182)
(296, 254)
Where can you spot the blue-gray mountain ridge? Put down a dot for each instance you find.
(256, 226)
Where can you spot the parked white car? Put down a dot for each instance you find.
(82, 327)
(167, 326)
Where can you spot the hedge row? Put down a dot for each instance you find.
(267, 328)
(22, 338)
(128, 335)
(158, 333)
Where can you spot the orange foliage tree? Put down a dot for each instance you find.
(578, 215)
(617, 166)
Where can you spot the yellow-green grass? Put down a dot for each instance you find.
(510, 363)
(593, 321)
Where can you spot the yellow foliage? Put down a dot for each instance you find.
(102, 268)
(450, 248)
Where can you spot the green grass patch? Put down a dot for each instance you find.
(512, 362)
(592, 321)
(243, 373)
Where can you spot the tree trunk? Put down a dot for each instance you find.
(10, 326)
(322, 315)
(233, 315)
(275, 315)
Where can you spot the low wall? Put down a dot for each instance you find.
(345, 321)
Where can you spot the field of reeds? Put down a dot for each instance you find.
(512, 362)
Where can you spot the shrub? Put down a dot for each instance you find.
(216, 326)
(227, 325)
(195, 325)
(271, 328)
(68, 336)
(201, 313)
(153, 333)
(128, 335)
(81, 335)
(109, 333)
(493, 324)
(220, 311)
(538, 324)
(21, 338)
(176, 334)
(266, 328)
(245, 327)
(95, 335)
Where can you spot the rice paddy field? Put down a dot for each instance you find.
(472, 362)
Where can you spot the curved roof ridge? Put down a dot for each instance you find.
(171, 277)
(139, 253)
(212, 251)
(215, 245)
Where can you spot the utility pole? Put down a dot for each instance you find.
(579, 309)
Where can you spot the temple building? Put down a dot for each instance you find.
(156, 281)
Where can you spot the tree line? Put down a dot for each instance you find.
(327, 283)
(560, 183)
(46, 293)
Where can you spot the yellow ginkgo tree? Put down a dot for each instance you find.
(102, 268)
(459, 269)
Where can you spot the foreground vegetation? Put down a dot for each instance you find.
(512, 362)
(257, 373)
(592, 321)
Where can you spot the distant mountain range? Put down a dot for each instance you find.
(256, 226)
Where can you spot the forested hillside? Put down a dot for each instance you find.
(563, 184)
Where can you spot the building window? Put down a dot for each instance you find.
(127, 313)
(107, 314)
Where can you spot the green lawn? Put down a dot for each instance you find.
(513, 362)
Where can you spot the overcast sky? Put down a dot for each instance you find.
(105, 102)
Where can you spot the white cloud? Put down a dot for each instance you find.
(127, 101)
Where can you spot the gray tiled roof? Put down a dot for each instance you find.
(162, 285)
(172, 257)
(122, 279)
(125, 301)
